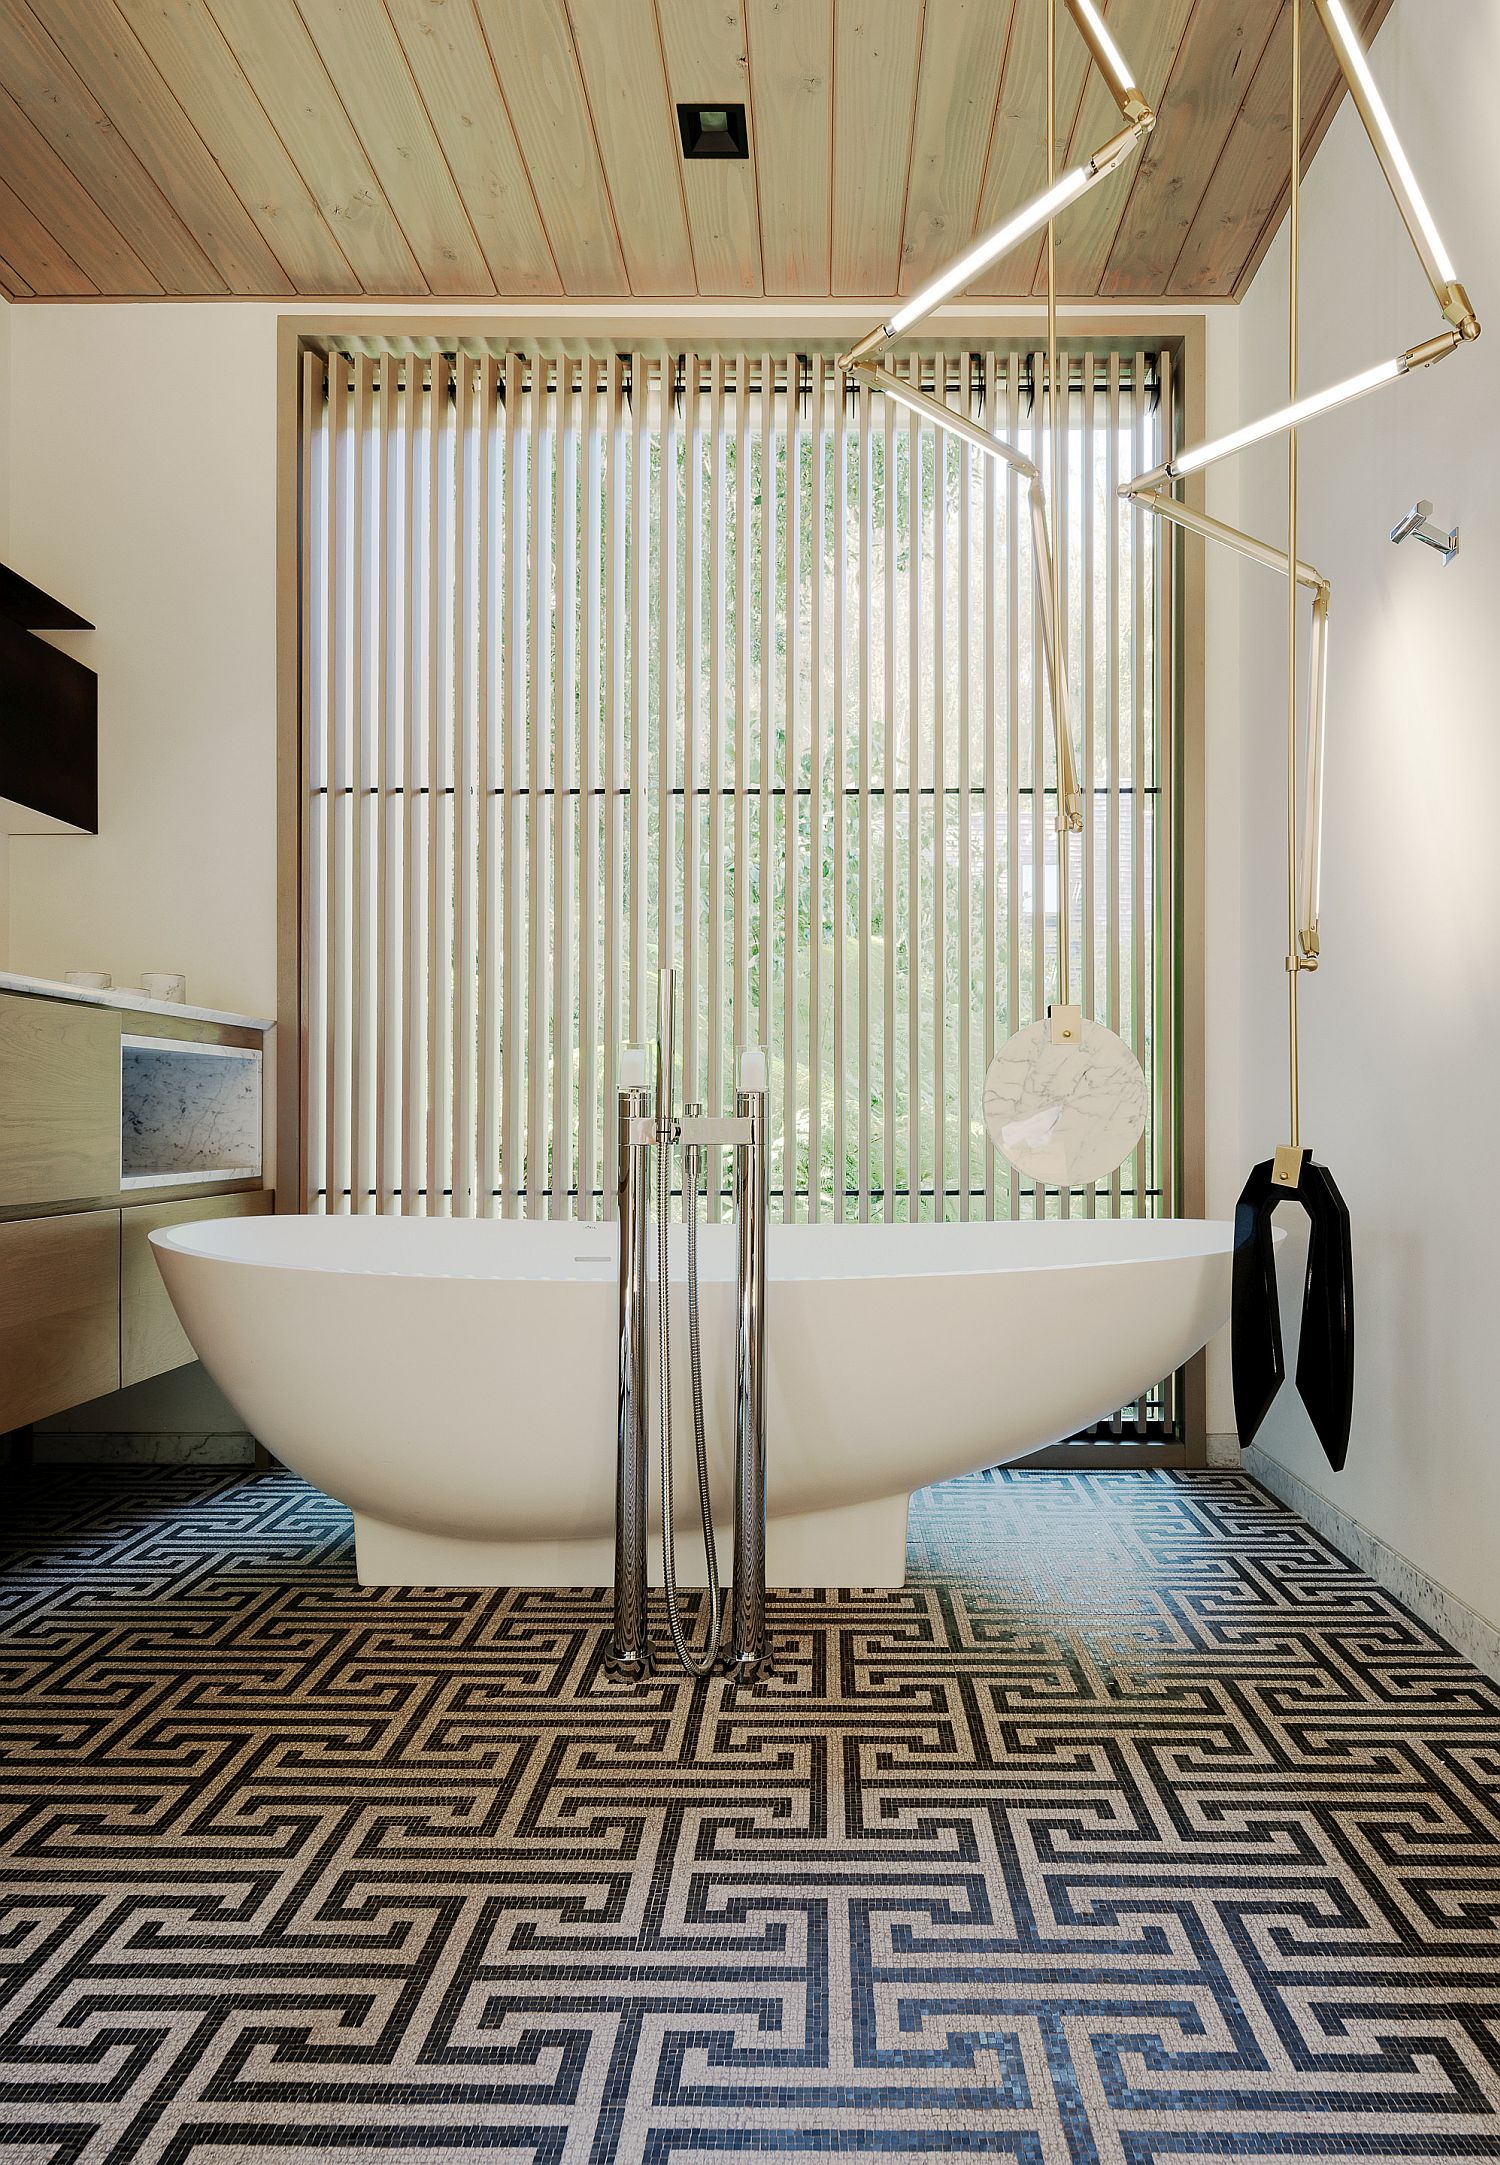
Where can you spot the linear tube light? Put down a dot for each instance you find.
(1197, 456)
(1017, 229)
(1396, 166)
(1111, 60)
(1351, 53)
(1139, 119)
(1038, 213)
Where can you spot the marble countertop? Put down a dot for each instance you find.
(52, 988)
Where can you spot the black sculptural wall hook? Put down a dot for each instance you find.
(1325, 1355)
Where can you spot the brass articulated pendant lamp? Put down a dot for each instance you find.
(1065, 1099)
(1325, 1360)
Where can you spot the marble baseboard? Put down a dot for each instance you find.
(1223, 1450)
(128, 1447)
(1473, 1635)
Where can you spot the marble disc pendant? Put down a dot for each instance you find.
(1065, 1113)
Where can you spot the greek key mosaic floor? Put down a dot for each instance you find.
(1139, 1826)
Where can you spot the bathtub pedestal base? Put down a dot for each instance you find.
(862, 1544)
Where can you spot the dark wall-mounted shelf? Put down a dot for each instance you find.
(33, 610)
(49, 711)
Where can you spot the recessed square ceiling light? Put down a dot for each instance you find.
(713, 131)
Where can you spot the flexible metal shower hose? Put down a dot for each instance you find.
(695, 1664)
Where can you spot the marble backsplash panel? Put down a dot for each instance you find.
(188, 1110)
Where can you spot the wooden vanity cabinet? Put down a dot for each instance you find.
(59, 1102)
(59, 1313)
(83, 1308)
(151, 1338)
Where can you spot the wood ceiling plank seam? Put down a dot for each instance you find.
(1200, 58)
(789, 48)
(1373, 16)
(911, 146)
(223, 105)
(754, 132)
(1241, 197)
(439, 146)
(18, 222)
(63, 108)
(1228, 143)
(577, 214)
(106, 55)
(678, 163)
(721, 194)
(377, 91)
(867, 231)
(48, 185)
(1018, 168)
(989, 149)
(531, 264)
(1087, 234)
(593, 125)
(274, 48)
(15, 286)
(617, 94)
(476, 11)
(940, 210)
(1191, 243)
(833, 138)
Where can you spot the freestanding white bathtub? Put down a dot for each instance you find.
(454, 1380)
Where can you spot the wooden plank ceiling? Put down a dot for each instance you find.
(529, 147)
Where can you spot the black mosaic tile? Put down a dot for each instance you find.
(1138, 1827)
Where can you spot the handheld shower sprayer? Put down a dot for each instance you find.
(642, 1129)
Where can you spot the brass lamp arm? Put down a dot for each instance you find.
(1069, 798)
(1176, 513)
(862, 361)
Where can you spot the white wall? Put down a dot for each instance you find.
(1402, 1021)
(143, 493)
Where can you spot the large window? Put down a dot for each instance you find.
(613, 660)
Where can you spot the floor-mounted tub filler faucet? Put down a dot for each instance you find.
(647, 1123)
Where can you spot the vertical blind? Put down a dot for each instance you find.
(616, 660)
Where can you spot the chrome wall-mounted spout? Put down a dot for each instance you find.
(1418, 526)
(645, 1126)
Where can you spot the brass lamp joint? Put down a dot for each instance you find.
(1459, 310)
(1119, 147)
(873, 342)
(1433, 349)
